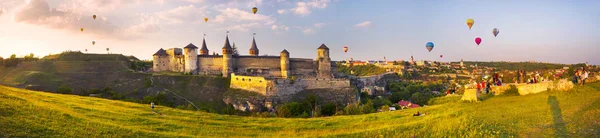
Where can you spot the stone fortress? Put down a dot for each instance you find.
(270, 76)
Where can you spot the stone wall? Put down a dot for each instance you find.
(210, 64)
(325, 83)
(524, 89)
(303, 68)
(249, 83)
(264, 62)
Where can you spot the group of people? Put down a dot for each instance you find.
(580, 76)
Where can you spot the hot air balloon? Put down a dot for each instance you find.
(254, 10)
(93, 42)
(441, 56)
(205, 19)
(85, 50)
(495, 32)
(81, 29)
(470, 23)
(429, 46)
(345, 49)
(478, 40)
(94, 16)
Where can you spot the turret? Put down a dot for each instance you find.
(160, 61)
(190, 55)
(324, 62)
(227, 58)
(253, 49)
(285, 63)
(204, 49)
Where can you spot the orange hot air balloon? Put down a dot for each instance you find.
(81, 29)
(254, 10)
(345, 49)
(205, 19)
(470, 23)
(94, 16)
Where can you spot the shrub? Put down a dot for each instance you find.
(367, 108)
(352, 109)
(292, 109)
(230, 110)
(385, 108)
(64, 89)
(328, 109)
(512, 91)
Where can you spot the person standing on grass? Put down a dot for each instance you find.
(152, 105)
(584, 77)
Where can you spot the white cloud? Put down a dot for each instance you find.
(363, 24)
(319, 25)
(193, 1)
(38, 12)
(237, 15)
(254, 3)
(281, 11)
(308, 31)
(304, 8)
(242, 27)
(183, 14)
(280, 28)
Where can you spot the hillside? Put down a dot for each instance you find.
(25, 113)
(111, 76)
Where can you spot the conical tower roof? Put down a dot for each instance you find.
(253, 46)
(227, 45)
(204, 48)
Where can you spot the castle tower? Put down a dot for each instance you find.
(203, 50)
(461, 63)
(160, 61)
(412, 60)
(324, 62)
(227, 58)
(285, 64)
(190, 55)
(253, 48)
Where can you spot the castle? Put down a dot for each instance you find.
(189, 61)
(270, 76)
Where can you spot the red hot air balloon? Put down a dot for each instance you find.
(345, 49)
(478, 40)
(441, 56)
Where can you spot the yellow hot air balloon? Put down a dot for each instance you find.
(254, 10)
(205, 19)
(81, 29)
(93, 42)
(470, 23)
(94, 16)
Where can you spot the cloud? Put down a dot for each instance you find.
(363, 24)
(319, 25)
(149, 24)
(304, 8)
(281, 11)
(242, 27)
(237, 15)
(181, 14)
(38, 12)
(280, 28)
(254, 3)
(308, 31)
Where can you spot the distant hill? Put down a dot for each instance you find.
(527, 66)
(574, 113)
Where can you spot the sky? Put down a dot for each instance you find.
(554, 31)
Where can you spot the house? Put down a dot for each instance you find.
(392, 108)
(405, 104)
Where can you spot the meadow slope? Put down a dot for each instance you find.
(25, 113)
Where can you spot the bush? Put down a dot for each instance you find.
(385, 108)
(159, 99)
(512, 91)
(292, 109)
(328, 109)
(352, 109)
(64, 89)
(230, 110)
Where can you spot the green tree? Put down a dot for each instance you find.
(64, 89)
(328, 109)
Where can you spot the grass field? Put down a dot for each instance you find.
(574, 113)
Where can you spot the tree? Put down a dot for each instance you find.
(234, 50)
(64, 89)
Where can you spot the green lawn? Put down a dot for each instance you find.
(574, 113)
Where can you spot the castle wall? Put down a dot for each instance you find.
(302, 68)
(325, 83)
(210, 64)
(161, 63)
(249, 83)
(258, 65)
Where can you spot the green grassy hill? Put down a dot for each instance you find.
(576, 113)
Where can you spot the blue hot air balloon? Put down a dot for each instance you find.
(429, 46)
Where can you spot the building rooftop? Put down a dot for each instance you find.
(191, 46)
(253, 46)
(227, 45)
(323, 47)
(204, 48)
(160, 52)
